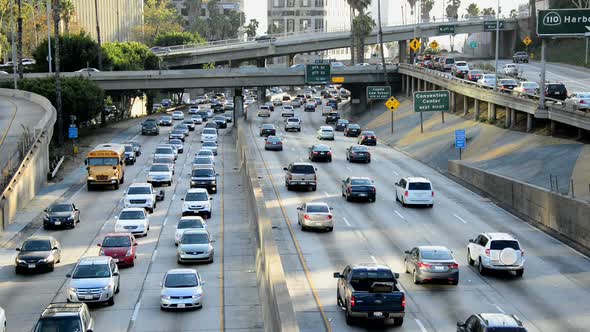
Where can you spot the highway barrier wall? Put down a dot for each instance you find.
(31, 174)
(277, 307)
(562, 216)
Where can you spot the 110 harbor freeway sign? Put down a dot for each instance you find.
(563, 22)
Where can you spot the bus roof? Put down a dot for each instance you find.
(107, 150)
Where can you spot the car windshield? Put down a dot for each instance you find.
(368, 133)
(196, 197)
(360, 182)
(502, 244)
(476, 72)
(448, 61)
(292, 120)
(188, 122)
(353, 126)
(209, 144)
(58, 324)
(84, 271)
(159, 168)
(164, 151)
(436, 255)
(175, 142)
(361, 148)
(102, 161)
(205, 153)
(362, 280)
(116, 241)
(175, 280)
(192, 223)
(163, 160)
(202, 161)
(318, 209)
(36, 245)
(327, 130)
(181, 126)
(302, 169)
(321, 148)
(342, 121)
(203, 172)
(508, 82)
(165, 118)
(268, 126)
(194, 238)
(273, 139)
(210, 131)
(461, 64)
(139, 190)
(131, 215)
(419, 186)
(60, 208)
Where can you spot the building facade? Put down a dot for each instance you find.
(118, 18)
(190, 8)
(300, 16)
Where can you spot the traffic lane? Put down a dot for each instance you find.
(75, 243)
(575, 80)
(147, 315)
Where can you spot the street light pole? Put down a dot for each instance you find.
(383, 52)
(48, 9)
(497, 45)
(14, 57)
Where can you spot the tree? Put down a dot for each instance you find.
(178, 38)
(251, 28)
(488, 12)
(473, 9)
(513, 13)
(453, 9)
(412, 4)
(362, 25)
(357, 7)
(159, 16)
(77, 51)
(67, 12)
(130, 56)
(426, 7)
(581, 3)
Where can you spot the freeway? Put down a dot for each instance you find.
(231, 296)
(551, 296)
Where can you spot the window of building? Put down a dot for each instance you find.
(278, 3)
(304, 24)
(290, 25)
(290, 3)
(278, 25)
(319, 25)
(319, 3)
(305, 3)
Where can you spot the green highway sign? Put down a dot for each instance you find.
(446, 29)
(432, 101)
(563, 22)
(491, 25)
(378, 92)
(473, 44)
(317, 74)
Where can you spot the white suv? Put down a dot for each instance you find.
(95, 279)
(209, 134)
(142, 195)
(414, 191)
(197, 202)
(178, 115)
(496, 251)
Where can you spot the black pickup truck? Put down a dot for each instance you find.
(369, 291)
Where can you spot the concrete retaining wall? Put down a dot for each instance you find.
(562, 216)
(277, 307)
(32, 173)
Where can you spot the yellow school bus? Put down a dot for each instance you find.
(106, 166)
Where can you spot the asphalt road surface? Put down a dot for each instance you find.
(231, 296)
(551, 296)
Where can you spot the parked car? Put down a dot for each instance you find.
(315, 215)
(299, 174)
(556, 91)
(358, 153)
(370, 291)
(496, 251)
(120, 246)
(429, 263)
(37, 253)
(414, 191)
(182, 289)
(520, 57)
(61, 316)
(362, 188)
(273, 143)
(59, 215)
(319, 152)
(95, 279)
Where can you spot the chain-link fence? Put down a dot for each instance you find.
(24, 143)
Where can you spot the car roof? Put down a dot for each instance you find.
(417, 179)
(300, 163)
(133, 209)
(196, 231)
(433, 248)
(360, 178)
(326, 127)
(181, 271)
(499, 236)
(140, 184)
(323, 146)
(316, 204)
(92, 260)
(369, 266)
(40, 238)
(498, 320)
(63, 309)
(196, 190)
(192, 218)
(121, 234)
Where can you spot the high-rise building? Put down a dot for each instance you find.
(118, 18)
(190, 8)
(385, 17)
(295, 16)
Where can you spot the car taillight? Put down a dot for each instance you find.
(424, 265)
(454, 266)
(330, 217)
(329, 153)
(581, 101)
(306, 217)
(487, 252)
(403, 301)
(373, 189)
(406, 193)
(433, 193)
(352, 301)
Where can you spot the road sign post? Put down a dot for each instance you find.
(431, 101)
(378, 92)
(392, 104)
(317, 73)
(433, 44)
(460, 140)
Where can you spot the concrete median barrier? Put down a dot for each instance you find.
(31, 174)
(561, 216)
(277, 307)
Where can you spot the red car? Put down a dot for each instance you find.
(120, 246)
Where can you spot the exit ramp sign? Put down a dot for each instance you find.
(432, 101)
(563, 22)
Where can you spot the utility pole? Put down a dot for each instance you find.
(98, 35)
(14, 57)
(19, 24)
(48, 10)
(497, 45)
(380, 34)
(58, 105)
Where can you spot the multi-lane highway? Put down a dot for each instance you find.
(231, 295)
(551, 296)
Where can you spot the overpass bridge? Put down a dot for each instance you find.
(289, 45)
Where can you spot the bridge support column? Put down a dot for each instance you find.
(407, 85)
(413, 85)
(512, 118)
(453, 101)
(403, 47)
(403, 84)
(261, 62)
(290, 58)
(476, 108)
(508, 117)
(492, 109)
(580, 134)
(552, 124)
(529, 122)
(358, 99)
(465, 105)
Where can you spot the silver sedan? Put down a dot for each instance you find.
(315, 215)
(429, 263)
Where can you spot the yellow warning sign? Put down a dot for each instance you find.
(527, 40)
(433, 44)
(415, 44)
(392, 103)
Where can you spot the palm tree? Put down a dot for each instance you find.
(473, 9)
(453, 9)
(57, 58)
(67, 12)
(488, 12)
(412, 4)
(357, 7)
(426, 7)
(362, 26)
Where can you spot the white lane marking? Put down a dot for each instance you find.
(500, 309)
(292, 149)
(399, 214)
(326, 194)
(346, 222)
(173, 196)
(165, 221)
(396, 173)
(136, 311)
(374, 259)
(349, 169)
(154, 255)
(77, 192)
(456, 216)
(420, 325)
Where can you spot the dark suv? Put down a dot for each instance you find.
(556, 91)
(61, 316)
(491, 322)
(332, 117)
(150, 127)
